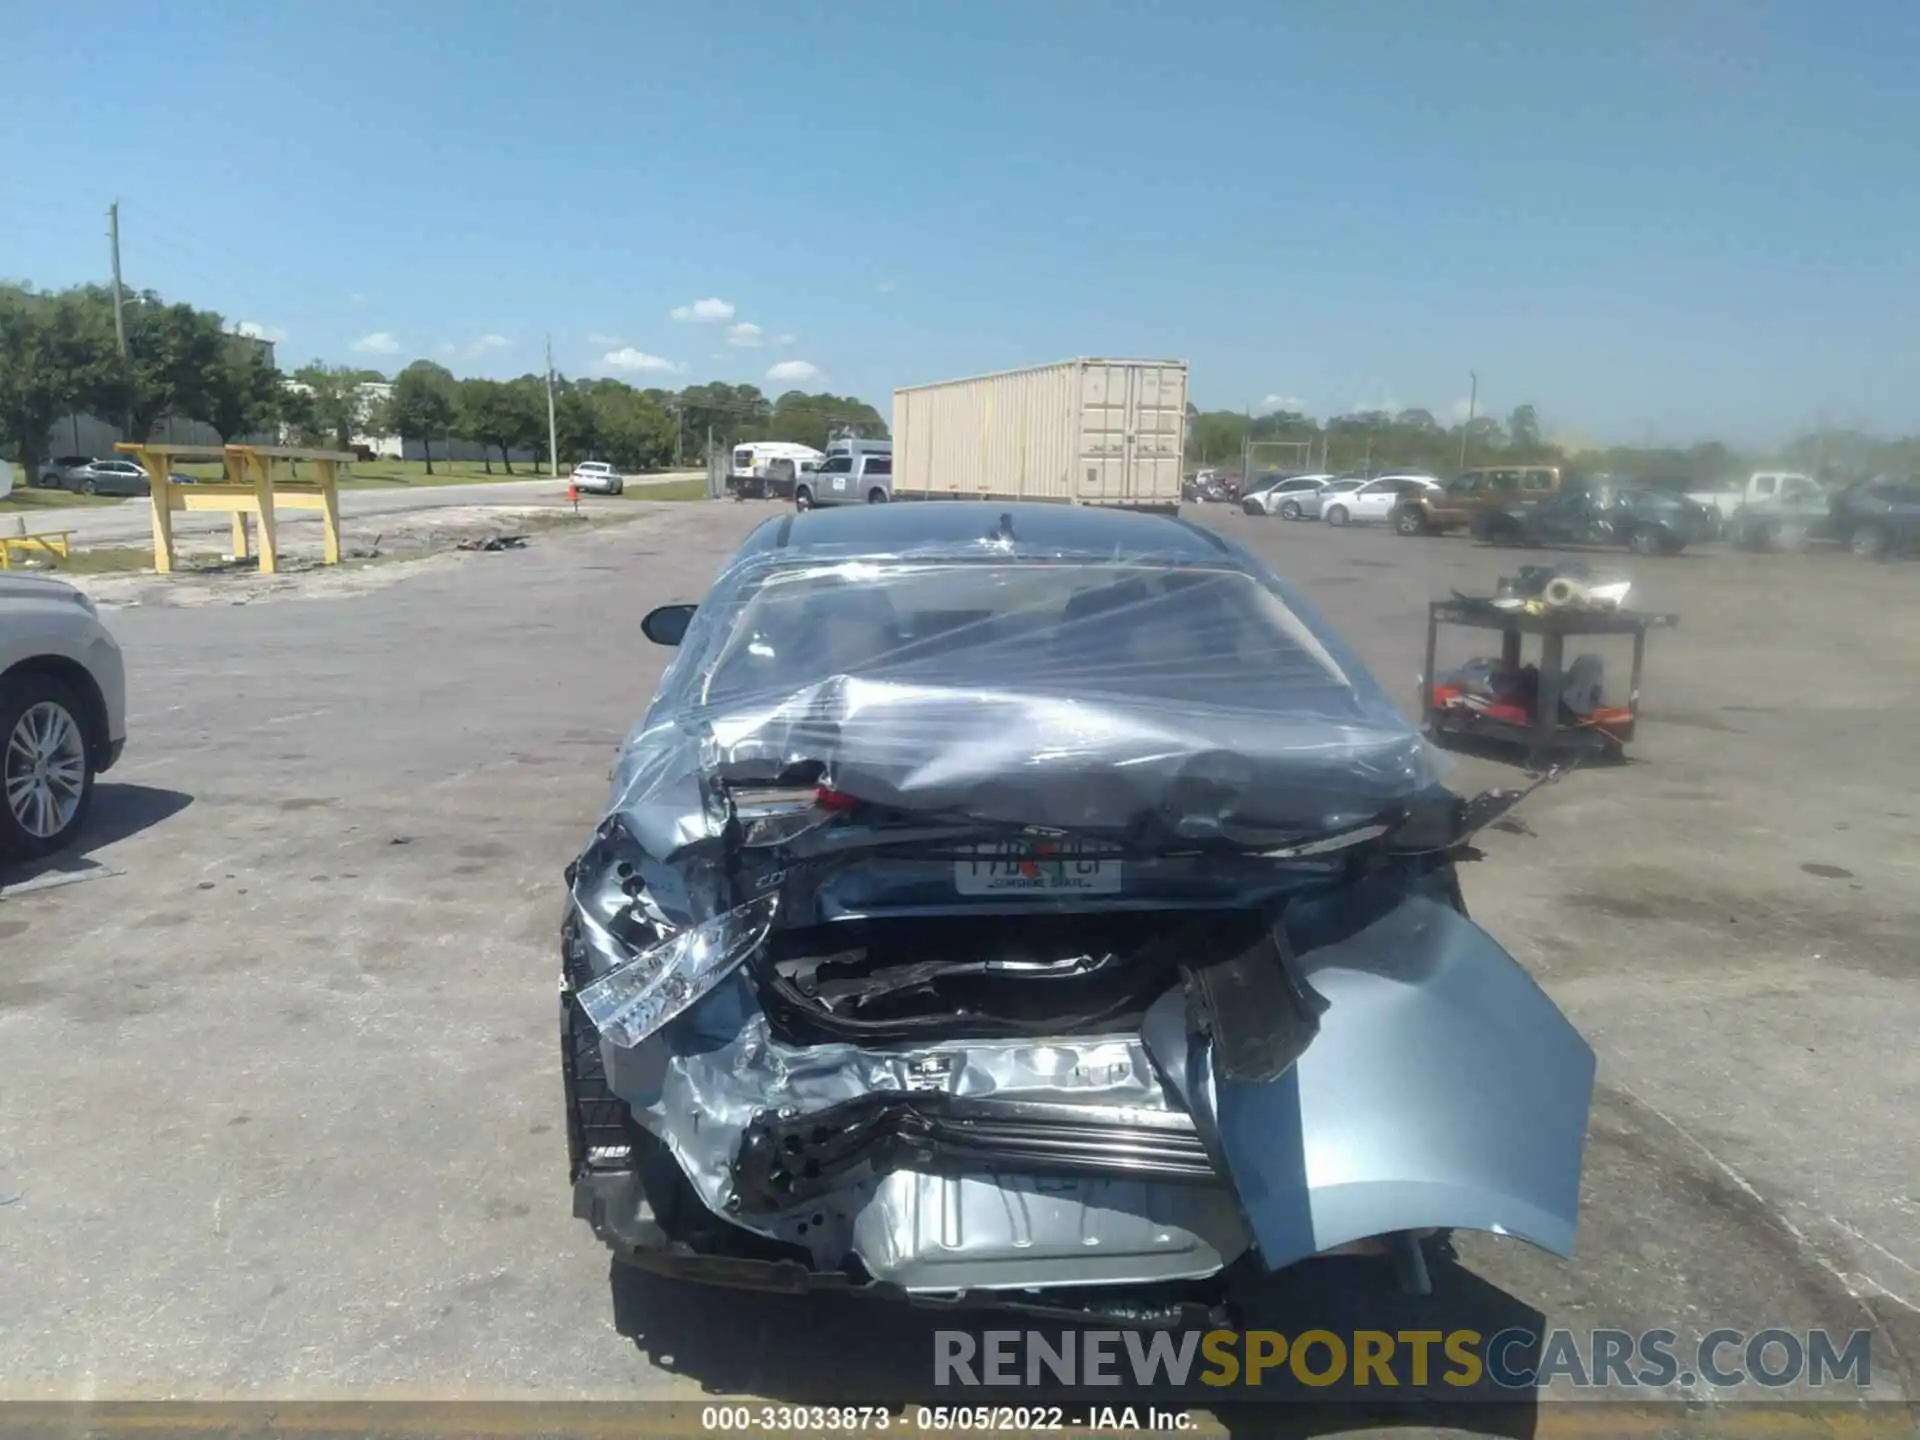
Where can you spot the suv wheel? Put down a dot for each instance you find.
(1646, 540)
(1289, 509)
(1336, 515)
(876, 496)
(1870, 542)
(1409, 521)
(803, 498)
(46, 774)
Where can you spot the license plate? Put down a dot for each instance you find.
(1038, 867)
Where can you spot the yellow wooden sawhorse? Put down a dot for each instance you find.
(250, 488)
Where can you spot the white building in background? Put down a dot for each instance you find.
(373, 396)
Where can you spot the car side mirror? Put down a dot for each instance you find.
(668, 624)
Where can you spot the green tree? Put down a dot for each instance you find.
(424, 405)
(635, 433)
(244, 393)
(175, 357)
(1523, 429)
(56, 356)
(333, 407)
(1215, 436)
(816, 419)
(733, 412)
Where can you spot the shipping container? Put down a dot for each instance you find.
(1084, 432)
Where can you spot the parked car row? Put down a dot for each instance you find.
(1550, 504)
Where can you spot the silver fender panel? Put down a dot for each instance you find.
(1444, 1089)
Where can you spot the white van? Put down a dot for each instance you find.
(767, 469)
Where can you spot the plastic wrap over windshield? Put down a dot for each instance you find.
(1153, 698)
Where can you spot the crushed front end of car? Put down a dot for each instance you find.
(1049, 929)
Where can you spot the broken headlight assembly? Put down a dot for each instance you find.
(636, 998)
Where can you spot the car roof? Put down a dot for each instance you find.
(939, 525)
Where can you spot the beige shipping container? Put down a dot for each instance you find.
(1084, 432)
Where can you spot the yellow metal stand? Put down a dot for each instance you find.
(250, 488)
(52, 542)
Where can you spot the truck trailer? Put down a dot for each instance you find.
(1082, 432)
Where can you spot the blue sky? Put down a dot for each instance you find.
(1674, 219)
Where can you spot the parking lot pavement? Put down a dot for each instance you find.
(280, 1103)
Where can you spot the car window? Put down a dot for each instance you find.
(1132, 629)
(1467, 484)
(1536, 480)
(838, 465)
(1343, 486)
(1504, 482)
(878, 465)
(1763, 485)
(742, 459)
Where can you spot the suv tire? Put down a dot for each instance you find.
(30, 704)
(803, 497)
(1870, 541)
(1409, 521)
(877, 496)
(1336, 515)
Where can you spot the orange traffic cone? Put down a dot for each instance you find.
(573, 494)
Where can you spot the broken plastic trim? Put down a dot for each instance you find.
(636, 999)
(790, 1160)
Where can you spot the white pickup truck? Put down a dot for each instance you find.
(1761, 486)
(1775, 509)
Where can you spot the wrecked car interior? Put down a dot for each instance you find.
(1039, 907)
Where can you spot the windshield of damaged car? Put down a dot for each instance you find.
(1132, 629)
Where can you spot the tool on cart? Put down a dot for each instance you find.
(1547, 706)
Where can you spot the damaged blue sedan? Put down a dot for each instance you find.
(1040, 906)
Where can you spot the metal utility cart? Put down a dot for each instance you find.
(1547, 733)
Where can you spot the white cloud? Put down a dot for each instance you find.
(1460, 408)
(628, 358)
(594, 337)
(704, 311)
(887, 287)
(1282, 402)
(746, 335)
(788, 339)
(378, 343)
(447, 347)
(794, 371)
(1390, 405)
(357, 298)
(488, 342)
(254, 330)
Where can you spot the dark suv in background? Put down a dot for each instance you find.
(1647, 521)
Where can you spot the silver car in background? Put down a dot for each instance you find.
(1282, 497)
(1313, 504)
(1039, 906)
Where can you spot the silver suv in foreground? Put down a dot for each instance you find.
(63, 712)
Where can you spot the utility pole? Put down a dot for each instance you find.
(553, 432)
(113, 239)
(679, 430)
(1473, 404)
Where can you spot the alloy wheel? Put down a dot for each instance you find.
(45, 773)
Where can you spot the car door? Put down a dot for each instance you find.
(836, 477)
(1372, 500)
